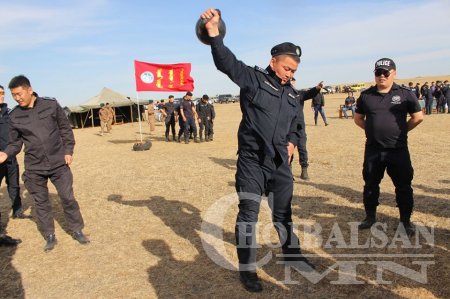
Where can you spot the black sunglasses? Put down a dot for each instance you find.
(383, 72)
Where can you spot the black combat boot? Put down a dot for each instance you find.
(304, 175)
(167, 138)
(405, 220)
(251, 281)
(51, 242)
(370, 218)
(6, 240)
(211, 137)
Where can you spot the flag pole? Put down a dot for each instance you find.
(139, 115)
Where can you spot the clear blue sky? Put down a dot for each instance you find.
(72, 49)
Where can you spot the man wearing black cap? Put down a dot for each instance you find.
(205, 114)
(188, 114)
(381, 111)
(168, 111)
(266, 137)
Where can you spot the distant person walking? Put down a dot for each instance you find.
(318, 104)
(103, 115)
(151, 116)
(110, 116)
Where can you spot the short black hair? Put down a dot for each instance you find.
(19, 81)
(1, 87)
(171, 97)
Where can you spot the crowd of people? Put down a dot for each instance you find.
(435, 95)
(188, 115)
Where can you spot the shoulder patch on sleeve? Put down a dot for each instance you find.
(260, 69)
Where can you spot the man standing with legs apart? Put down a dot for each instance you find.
(266, 138)
(381, 111)
(41, 125)
(168, 111)
(205, 115)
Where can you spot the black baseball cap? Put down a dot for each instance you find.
(205, 97)
(286, 49)
(385, 64)
(189, 93)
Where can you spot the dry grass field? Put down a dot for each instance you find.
(144, 213)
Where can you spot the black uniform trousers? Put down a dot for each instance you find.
(397, 163)
(10, 170)
(204, 125)
(258, 174)
(302, 151)
(189, 126)
(301, 146)
(428, 106)
(61, 177)
(181, 123)
(170, 124)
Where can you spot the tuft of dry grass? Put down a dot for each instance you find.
(144, 213)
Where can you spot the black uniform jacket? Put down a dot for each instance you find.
(4, 126)
(269, 109)
(205, 110)
(45, 131)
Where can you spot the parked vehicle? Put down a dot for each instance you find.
(327, 90)
(225, 98)
(357, 87)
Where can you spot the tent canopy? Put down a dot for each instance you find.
(110, 96)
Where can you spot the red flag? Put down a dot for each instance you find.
(163, 77)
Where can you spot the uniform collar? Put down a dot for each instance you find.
(275, 77)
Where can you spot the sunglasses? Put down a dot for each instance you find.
(380, 72)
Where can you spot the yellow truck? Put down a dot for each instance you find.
(358, 87)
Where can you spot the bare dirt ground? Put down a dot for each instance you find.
(144, 213)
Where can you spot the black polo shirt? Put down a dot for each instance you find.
(385, 115)
(186, 106)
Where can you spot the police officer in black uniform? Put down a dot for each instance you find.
(168, 111)
(10, 168)
(266, 138)
(301, 144)
(41, 125)
(381, 111)
(205, 116)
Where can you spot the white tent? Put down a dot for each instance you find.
(106, 95)
(110, 96)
